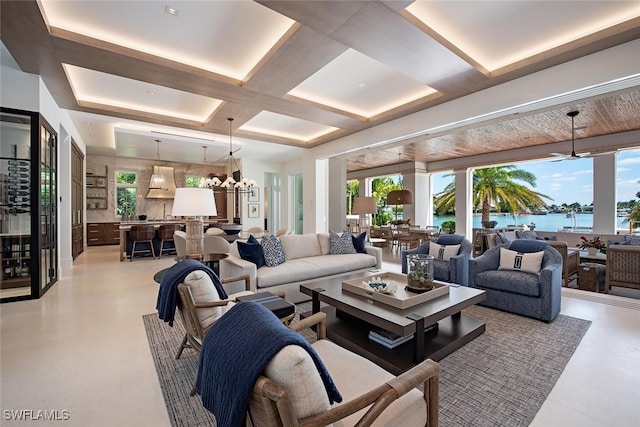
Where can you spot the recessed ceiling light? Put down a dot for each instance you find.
(150, 92)
(170, 10)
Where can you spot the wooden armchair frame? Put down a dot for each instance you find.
(269, 404)
(623, 267)
(188, 310)
(570, 261)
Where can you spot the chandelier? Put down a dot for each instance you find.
(229, 185)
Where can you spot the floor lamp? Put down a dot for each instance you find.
(363, 206)
(194, 203)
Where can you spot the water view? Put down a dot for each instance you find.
(550, 222)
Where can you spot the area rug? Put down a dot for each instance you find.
(500, 378)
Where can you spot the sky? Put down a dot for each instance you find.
(571, 181)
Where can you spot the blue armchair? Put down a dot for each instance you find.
(528, 294)
(456, 269)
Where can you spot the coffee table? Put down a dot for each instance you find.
(350, 317)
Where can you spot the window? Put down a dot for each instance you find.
(193, 181)
(126, 193)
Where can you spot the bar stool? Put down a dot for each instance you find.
(165, 234)
(142, 234)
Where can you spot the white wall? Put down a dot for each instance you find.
(25, 91)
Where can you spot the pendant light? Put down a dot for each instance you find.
(157, 182)
(399, 197)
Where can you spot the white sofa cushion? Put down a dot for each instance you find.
(300, 269)
(300, 245)
(354, 375)
(323, 239)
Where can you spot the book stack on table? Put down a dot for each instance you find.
(388, 339)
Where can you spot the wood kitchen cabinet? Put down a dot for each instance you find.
(103, 233)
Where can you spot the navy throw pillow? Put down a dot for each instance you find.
(528, 245)
(449, 239)
(359, 242)
(251, 251)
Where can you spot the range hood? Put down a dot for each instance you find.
(169, 189)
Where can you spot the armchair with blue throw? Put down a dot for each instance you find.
(455, 269)
(512, 285)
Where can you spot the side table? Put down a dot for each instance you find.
(377, 242)
(591, 276)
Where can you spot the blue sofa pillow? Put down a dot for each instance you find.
(527, 245)
(251, 251)
(341, 243)
(359, 242)
(273, 251)
(449, 239)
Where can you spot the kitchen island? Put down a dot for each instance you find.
(125, 227)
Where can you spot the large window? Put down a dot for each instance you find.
(126, 193)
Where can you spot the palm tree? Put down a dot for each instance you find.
(496, 186)
(380, 190)
(353, 191)
(634, 214)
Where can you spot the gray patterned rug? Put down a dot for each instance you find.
(499, 379)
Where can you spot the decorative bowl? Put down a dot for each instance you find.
(377, 285)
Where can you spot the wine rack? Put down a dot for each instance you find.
(16, 257)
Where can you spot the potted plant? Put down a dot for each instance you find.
(593, 245)
(489, 224)
(420, 272)
(449, 227)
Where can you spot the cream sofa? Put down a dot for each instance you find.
(307, 258)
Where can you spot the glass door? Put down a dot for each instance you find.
(28, 205)
(15, 205)
(48, 208)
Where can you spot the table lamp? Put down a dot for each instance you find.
(194, 203)
(363, 206)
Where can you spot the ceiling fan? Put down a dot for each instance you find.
(573, 155)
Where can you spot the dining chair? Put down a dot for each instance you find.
(215, 231)
(215, 245)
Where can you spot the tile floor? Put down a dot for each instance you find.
(82, 348)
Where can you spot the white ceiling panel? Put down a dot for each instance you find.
(106, 89)
(299, 73)
(356, 83)
(499, 33)
(226, 37)
(285, 126)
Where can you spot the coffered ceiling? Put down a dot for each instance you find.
(296, 74)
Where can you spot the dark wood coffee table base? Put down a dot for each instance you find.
(350, 318)
(453, 332)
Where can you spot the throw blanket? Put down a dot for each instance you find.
(168, 293)
(235, 352)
